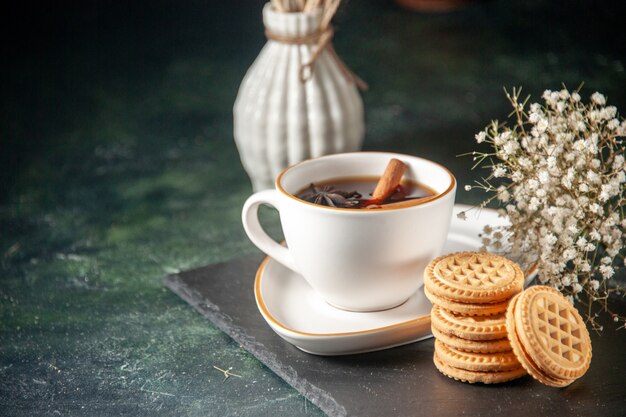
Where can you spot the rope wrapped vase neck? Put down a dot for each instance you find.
(322, 41)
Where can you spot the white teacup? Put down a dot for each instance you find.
(356, 259)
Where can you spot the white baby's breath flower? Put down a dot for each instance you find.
(609, 112)
(536, 107)
(596, 208)
(511, 147)
(582, 201)
(579, 146)
(554, 98)
(606, 192)
(598, 99)
(503, 194)
(542, 125)
(534, 117)
(613, 124)
(594, 235)
(566, 182)
(499, 171)
(585, 266)
(570, 156)
(544, 177)
(606, 271)
(569, 254)
(525, 162)
(559, 173)
(549, 240)
(593, 177)
(591, 146)
(534, 203)
(532, 184)
(613, 251)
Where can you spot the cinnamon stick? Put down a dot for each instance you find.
(389, 181)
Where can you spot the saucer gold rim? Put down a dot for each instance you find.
(425, 320)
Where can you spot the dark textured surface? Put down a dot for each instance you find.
(402, 381)
(118, 166)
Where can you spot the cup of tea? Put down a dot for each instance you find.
(357, 257)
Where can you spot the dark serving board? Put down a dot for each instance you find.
(400, 381)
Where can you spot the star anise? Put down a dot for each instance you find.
(329, 196)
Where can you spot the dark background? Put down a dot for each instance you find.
(118, 166)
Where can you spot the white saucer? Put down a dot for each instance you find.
(301, 317)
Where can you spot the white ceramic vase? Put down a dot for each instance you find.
(279, 119)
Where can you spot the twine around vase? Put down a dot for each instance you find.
(322, 40)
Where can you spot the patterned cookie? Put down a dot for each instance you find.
(522, 356)
(468, 327)
(474, 376)
(551, 333)
(473, 277)
(480, 346)
(468, 309)
(480, 362)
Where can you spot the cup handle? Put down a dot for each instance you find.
(254, 230)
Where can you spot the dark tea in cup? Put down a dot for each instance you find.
(357, 193)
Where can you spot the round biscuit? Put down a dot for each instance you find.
(466, 345)
(473, 277)
(467, 309)
(474, 377)
(523, 357)
(479, 362)
(468, 327)
(553, 333)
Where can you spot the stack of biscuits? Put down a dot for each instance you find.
(470, 292)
